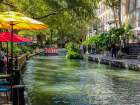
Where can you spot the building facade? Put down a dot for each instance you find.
(130, 14)
(131, 11)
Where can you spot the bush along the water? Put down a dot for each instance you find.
(24, 49)
(73, 51)
(73, 55)
(73, 47)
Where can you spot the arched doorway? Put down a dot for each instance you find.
(133, 21)
(126, 21)
(139, 20)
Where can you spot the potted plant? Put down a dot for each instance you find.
(120, 55)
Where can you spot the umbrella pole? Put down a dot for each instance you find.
(7, 53)
(12, 45)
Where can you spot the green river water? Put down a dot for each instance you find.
(55, 80)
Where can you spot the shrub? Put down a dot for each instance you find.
(73, 47)
(30, 50)
(1, 53)
(73, 55)
(15, 50)
(121, 54)
(23, 49)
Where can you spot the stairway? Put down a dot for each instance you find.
(134, 51)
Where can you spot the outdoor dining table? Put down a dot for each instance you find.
(2, 76)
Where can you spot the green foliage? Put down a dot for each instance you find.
(121, 54)
(73, 51)
(30, 50)
(73, 55)
(15, 49)
(1, 53)
(4, 49)
(69, 17)
(23, 49)
(73, 47)
(33, 46)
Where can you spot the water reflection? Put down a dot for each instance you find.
(57, 80)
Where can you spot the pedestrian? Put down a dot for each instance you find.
(113, 50)
(89, 48)
(2, 64)
(117, 49)
(84, 48)
(81, 48)
(109, 50)
(93, 48)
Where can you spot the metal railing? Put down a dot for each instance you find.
(22, 83)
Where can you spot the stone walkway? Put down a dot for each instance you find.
(126, 63)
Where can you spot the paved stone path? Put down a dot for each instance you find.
(132, 61)
(130, 64)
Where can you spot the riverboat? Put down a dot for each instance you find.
(50, 51)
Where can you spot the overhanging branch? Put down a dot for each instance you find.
(56, 12)
(51, 14)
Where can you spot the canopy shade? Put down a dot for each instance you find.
(136, 29)
(6, 37)
(24, 43)
(19, 21)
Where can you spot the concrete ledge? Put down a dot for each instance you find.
(128, 64)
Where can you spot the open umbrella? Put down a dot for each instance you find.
(15, 20)
(16, 38)
(136, 29)
(138, 34)
(6, 37)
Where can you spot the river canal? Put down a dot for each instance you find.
(56, 80)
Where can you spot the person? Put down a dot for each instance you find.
(81, 48)
(84, 48)
(113, 50)
(89, 48)
(93, 48)
(2, 64)
(117, 49)
(109, 50)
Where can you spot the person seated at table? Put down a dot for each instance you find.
(2, 64)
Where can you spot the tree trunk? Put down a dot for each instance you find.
(51, 30)
(120, 22)
(114, 12)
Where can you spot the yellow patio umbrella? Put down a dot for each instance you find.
(15, 20)
(19, 21)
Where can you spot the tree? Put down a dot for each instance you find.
(68, 18)
(114, 5)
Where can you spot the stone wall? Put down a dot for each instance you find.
(117, 63)
(22, 59)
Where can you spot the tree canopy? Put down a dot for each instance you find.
(67, 18)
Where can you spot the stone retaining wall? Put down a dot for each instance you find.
(119, 63)
(22, 59)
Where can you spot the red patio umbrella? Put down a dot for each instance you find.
(16, 38)
(138, 34)
(6, 37)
